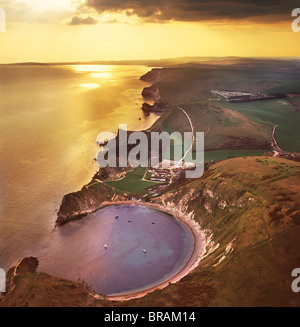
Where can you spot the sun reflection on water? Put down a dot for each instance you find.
(91, 68)
(94, 72)
(90, 85)
(101, 75)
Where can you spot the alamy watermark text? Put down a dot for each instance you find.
(153, 149)
(296, 22)
(296, 282)
(2, 281)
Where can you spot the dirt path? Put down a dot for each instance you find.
(192, 129)
(275, 144)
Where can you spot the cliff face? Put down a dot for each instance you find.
(158, 107)
(24, 266)
(78, 204)
(152, 93)
(90, 198)
(152, 76)
(249, 210)
(28, 288)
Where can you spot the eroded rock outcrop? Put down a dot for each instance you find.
(158, 107)
(154, 75)
(250, 242)
(26, 287)
(151, 92)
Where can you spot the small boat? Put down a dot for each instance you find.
(105, 246)
(117, 217)
(144, 251)
(129, 221)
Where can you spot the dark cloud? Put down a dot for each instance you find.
(199, 10)
(83, 21)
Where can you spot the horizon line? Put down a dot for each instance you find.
(126, 61)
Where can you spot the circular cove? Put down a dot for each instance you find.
(120, 249)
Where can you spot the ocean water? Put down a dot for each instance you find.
(77, 250)
(50, 119)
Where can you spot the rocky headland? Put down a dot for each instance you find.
(247, 208)
(249, 212)
(152, 93)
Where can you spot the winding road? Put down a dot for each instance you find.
(192, 129)
(275, 145)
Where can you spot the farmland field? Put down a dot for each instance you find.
(132, 182)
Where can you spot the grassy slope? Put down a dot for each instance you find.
(250, 211)
(274, 112)
(240, 125)
(249, 207)
(43, 290)
(254, 238)
(132, 182)
(223, 128)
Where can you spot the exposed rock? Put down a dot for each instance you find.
(27, 265)
(222, 204)
(243, 247)
(24, 266)
(208, 207)
(151, 92)
(152, 76)
(158, 107)
(79, 204)
(209, 192)
(26, 287)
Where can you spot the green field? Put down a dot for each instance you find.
(270, 113)
(225, 154)
(223, 127)
(228, 126)
(132, 182)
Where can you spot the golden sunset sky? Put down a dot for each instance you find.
(84, 30)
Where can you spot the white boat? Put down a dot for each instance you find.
(144, 251)
(105, 246)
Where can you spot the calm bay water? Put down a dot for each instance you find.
(77, 250)
(50, 118)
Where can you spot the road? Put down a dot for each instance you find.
(275, 145)
(192, 129)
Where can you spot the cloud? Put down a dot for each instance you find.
(36, 11)
(83, 21)
(199, 10)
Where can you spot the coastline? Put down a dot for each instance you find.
(199, 241)
(191, 264)
(75, 211)
(241, 224)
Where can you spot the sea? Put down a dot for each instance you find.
(51, 116)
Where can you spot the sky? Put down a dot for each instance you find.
(84, 30)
